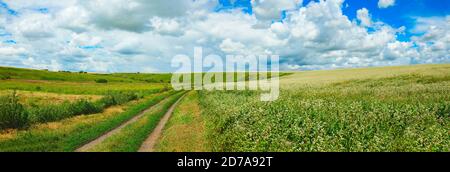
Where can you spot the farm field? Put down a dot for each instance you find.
(61, 111)
(70, 134)
(351, 110)
(30, 98)
(383, 109)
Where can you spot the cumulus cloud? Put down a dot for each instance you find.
(385, 3)
(34, 26)
(229, 46)
(132, 15)
(364, 17)
(74, 18)
(137, 35)
(433, 44)
(268, 10)
(11, 51)
(166, 26)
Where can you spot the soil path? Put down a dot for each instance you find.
(149, 143)
(100, 139)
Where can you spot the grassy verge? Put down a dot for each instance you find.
(71, 133)
(130, 138)
(185, 130)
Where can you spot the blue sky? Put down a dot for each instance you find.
(403, 13)
(138, 35)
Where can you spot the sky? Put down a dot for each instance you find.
(144, 35)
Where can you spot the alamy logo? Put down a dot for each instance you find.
(232, 72)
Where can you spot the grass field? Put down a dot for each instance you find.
(185, 131)
(84, 88)
(28, 74)
(29, 98)
(71, 133)
(80, 83)
(374, 109)
(60, 111)
(380, 109)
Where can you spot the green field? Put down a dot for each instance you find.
(374, 109)
(60, 111)
(383, 109)
(29, 74)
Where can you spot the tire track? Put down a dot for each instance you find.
(149, 143)
(100, 139)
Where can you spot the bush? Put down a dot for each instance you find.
(102, 81)
(117, 98)
(122, 98)
(57, 112)
(49, 113)
(12, 113)
(106, 101)
(166, 88)
(83, 107)
(5, 77)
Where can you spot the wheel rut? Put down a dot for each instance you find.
(149, 144)
(100, 139)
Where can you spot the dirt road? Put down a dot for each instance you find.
(149, 143)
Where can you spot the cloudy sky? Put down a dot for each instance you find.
(144, 35)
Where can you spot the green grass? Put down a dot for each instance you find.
(239, 76)
(30, 74)
(81, 88)
(71, 133)
(14, 115)
(367, 109)
(81, 83)
(376, 109)
(12, 112)
(55, 112)
(89, 83)
(146, 77)
(185, 130)
(130, 138)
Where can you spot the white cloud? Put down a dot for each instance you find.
(229, 46)
(322, 37)
(166, 26)
(11, 51)
(74, 18)
(52, 66)
(385, 3)
(132, 15)
(364, 16)
(129, 46)
(280, 29)
(272, 9)
(34, 26)
(130, 35)
(433, 44)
